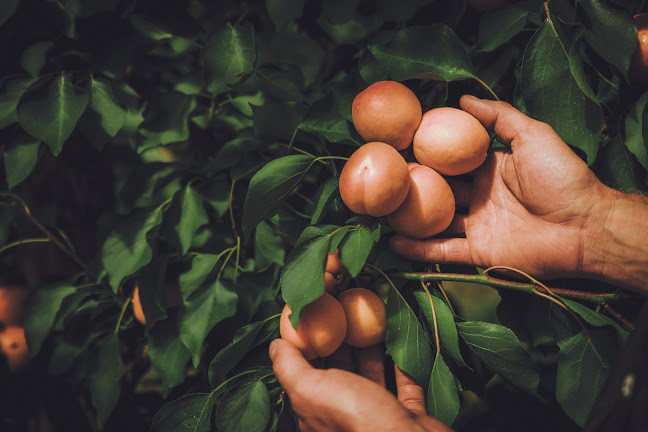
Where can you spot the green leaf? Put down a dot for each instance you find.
(355, 249)
(634, 130)
(596, 319)
(551, 93)
(50, 109)
(431, 52)
(245, 339)
(33, 59)
(169, 356)
(20, 158)
(107, 370)
(277, 120)
(323, 196)
(191, 413)
(7, 9)
(270, 186)
(284, 12)
(103, 102)
(228, 56)
(406, 340)
(611, 32)
(328, 123)
(201, 267)
(40, 312)
(244, 408)
(268, 247)
(127, 248)
(12, 91)
(442, 393)
(448, 334)
(581, 373)
(206, 307)
(500, 26)
(192, 217)
(501, 350)
(166, 119)
(619, 168)
(302, 278)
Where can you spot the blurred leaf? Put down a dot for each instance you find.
(268, 247)
(618, 167)
(552, 95)
(7, 9)
(12, 91)
(405, 56)
(206, 307)
(245, 339)
(302, 278)
(49, 110)
(323, 197)
(442, 393)
(499, 26)
(107, 370)
(40, 312)
(190, 413)
(283, 12)
(270, 186)
(611, 32)
(169, 356)
(355, 249)
(283, 84)
(103, 102)
(192, 217)
(339, 11)
(634, 130)
(292, 48)
(501, 350)
(406, 341)
(448, 334)
(127, 248)
(245, 408)
(166, 119)
(33, 59)
(581, 373)
(20, 158)
(228, 56)
(276, 120)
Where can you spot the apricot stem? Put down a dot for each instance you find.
(490, 90)
(24, 241)
(121, 313)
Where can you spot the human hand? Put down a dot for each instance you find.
(529, 208)
(339, 400)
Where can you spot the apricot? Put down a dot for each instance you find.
(14, 347)
(336, 276)
(450, 141)
(321, 329)
(172, 298)
(12, 304)
(366, 317)
(638, 71)
(428, 208)
(387, 111)
(375, 180)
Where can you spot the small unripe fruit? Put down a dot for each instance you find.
(451, 141)
(321, 330)
(638, 71)
(14, 347)
(387, 111)
(336, 276)
(375, 180)
(428, 208)
(366, 317)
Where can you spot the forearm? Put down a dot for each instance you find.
(616, 241)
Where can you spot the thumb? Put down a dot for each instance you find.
(288, 363)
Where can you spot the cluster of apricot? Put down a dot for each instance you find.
(415, 197)
(356, 316)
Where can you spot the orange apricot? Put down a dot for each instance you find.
(172, 298)
(12, 304)
(366, 317)
(638, 71)
(428, 208)
(450, 141)
(336, 276)
(321, 329)
(387, 111)
(14, 347)
(375, 180)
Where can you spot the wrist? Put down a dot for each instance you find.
(615, 240)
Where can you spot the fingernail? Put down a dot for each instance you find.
(272, 349)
